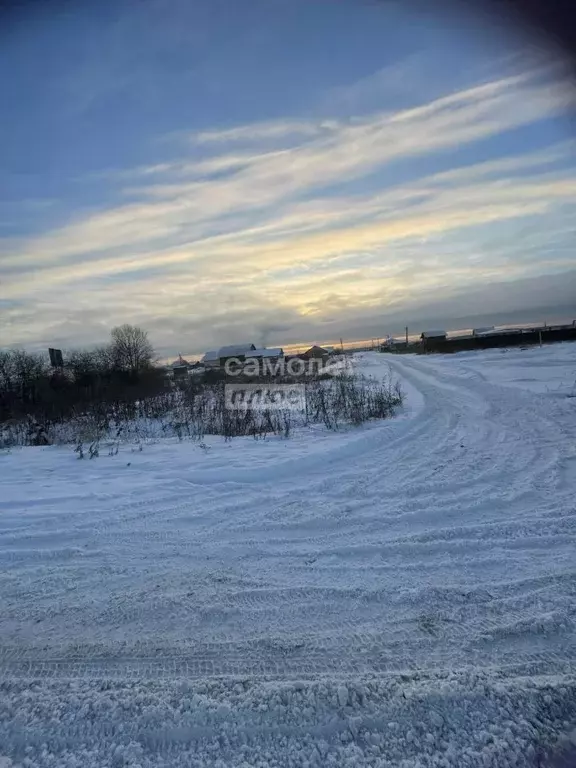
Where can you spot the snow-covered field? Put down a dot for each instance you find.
(397, 595)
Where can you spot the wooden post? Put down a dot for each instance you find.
(540, 337)
(406, 335)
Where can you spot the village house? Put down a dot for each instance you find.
(179, 368)
(235, 351)
(263, 360)
(432, 339)
(315, 352)
(211, 360)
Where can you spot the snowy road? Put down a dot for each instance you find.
(437, 549)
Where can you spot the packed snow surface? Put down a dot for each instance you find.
(402, 594)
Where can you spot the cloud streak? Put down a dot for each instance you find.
(268, 215)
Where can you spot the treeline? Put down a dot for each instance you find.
(117, 373)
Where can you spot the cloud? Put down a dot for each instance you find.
(264, 131)
(265, 228)
(318, 231)
(348, 152)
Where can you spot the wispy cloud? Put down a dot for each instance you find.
(265, 216)
(264, 131)
(348, 153)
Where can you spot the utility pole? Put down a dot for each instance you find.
(406, 335)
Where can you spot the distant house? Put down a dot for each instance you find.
(499, 332)
(433, 340)
(237, 351)
(267, 352)
(433, 335)
(179, 368)
(211, 360)
(315, 352)
(263, 359)
(180, 372)
(393, 344)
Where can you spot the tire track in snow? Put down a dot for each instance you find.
(330, 555)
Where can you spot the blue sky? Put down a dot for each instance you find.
(286, 171)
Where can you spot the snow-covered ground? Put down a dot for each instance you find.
(397, 595)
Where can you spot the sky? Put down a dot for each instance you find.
(278, 171)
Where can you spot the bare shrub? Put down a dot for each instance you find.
(93, 402)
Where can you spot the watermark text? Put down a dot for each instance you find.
(265, 397)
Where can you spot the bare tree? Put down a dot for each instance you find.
(131, 349)
(7, 374)
(80, 363)
(23, 368)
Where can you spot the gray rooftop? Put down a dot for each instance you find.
(267, 352)
(235, 349)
